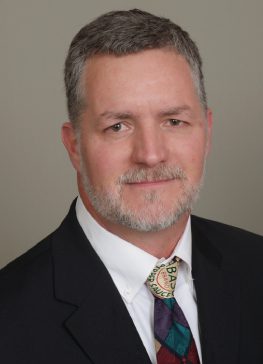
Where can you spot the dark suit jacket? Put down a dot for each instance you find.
(59, 305)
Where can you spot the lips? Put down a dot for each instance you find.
(151, 182)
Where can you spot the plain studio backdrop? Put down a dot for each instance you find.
(37, 180)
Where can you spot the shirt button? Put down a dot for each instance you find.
(127, 292)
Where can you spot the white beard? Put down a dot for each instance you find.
(153, 215)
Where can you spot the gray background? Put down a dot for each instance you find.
(37, 181)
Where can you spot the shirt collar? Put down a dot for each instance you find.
(128, 265)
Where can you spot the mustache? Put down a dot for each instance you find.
(156, 174)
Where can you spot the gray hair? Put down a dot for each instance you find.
(120, 33)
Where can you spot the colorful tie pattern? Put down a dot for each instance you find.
(174, 341)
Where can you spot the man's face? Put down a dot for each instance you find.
(143, 140)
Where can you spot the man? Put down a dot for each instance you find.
(138, 136)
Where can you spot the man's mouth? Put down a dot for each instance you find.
(154, 177)
(151, 183)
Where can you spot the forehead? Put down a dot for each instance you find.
(145, 62)
(153, 76)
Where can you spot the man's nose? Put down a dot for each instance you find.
(150, 146)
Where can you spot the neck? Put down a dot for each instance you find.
(160, 244)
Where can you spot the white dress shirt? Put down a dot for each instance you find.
(129, 267)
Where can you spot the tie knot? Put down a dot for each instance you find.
(162, 279)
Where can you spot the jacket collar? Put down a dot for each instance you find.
(218, 291)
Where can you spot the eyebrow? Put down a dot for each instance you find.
(170, 111)
(116, 115)
(177, 110)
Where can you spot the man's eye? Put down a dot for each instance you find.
(175, 122)
(116, 127)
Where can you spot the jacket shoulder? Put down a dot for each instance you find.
(212, 224)
(226, 237)
(40, 255)
(30, 267)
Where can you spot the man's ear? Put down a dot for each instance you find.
(70, 141)
(209, 120)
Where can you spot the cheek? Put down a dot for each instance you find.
(194, 156)
(103, 164)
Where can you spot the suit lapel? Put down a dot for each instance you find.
(218, 292)
(100, 322)
(105, 332)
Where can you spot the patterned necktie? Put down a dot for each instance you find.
(174, 341)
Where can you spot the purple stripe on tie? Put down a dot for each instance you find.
(162, 319)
